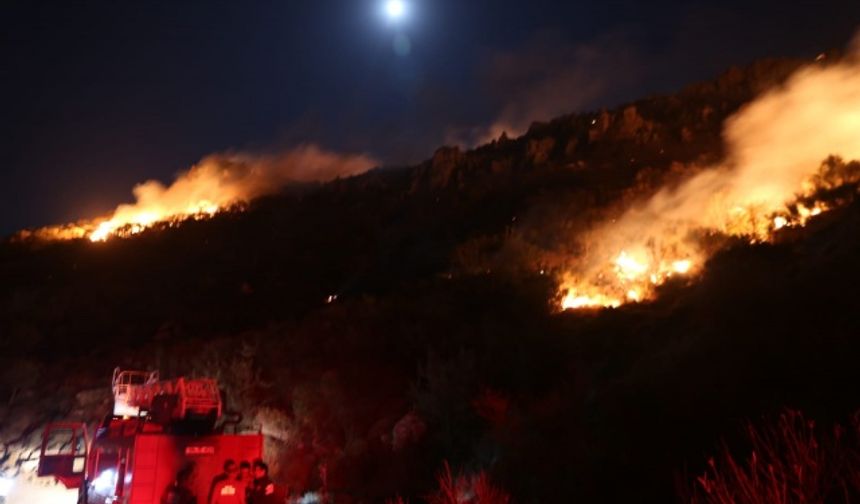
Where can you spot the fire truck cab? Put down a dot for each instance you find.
(157, 429)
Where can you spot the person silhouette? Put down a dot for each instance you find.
(178, 491)
(229, 473)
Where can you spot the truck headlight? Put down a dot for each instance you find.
(105, 483)
(6, 485)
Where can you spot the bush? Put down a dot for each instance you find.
(462, 489)
(790, 462)
(466, 489)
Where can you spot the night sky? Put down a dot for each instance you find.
(97, 96)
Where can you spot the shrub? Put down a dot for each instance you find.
(790, 462)
(466, 489)
(462, 489)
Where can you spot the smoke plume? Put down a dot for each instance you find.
(217, 182)
(776, 146)
(223, 179)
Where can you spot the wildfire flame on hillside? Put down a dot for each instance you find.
(768, 182)
(219, 182)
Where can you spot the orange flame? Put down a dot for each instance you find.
(775, 148)
(218, 182)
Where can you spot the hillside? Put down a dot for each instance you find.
(380, 324)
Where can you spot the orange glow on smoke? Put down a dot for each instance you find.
(768, 182)
(219, 182)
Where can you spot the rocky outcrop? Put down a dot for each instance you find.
(440, 170)
(648, 133)
(633, 126)
(599, 126)
(539, 151)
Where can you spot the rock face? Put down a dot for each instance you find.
(633, 126)
(626, 125)
(539, 150)
(90, 402)
(499, 166)
(441, 169)
(570, 148)
(444, 165)
(599, 126)
(648, 133)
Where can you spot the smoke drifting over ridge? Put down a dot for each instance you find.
(775, 147)
(220, 179)
(551, 76)
(217, 182)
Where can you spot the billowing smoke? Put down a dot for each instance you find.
(220, 180)
(776, 146)
(217, 182)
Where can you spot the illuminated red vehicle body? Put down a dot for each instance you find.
(157, 429)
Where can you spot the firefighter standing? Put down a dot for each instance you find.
(245, 478)
(230, 491)
(263, 490)
(229, 473)
(178, 492)
(233, 490)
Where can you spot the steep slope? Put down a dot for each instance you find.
(382, 323)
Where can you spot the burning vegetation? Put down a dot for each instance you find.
(772, 178)
(218, 183)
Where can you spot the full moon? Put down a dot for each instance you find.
(395, 9)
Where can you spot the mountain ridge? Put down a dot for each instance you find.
(427, 296)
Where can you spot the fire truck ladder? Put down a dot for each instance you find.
(142, 393)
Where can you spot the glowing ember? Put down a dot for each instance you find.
(573, 300)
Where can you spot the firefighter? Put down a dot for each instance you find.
(229, 491)
(245, 472)
(263, 490)
(229, 473)
(178, 492)
(234, 490)
(245, 479)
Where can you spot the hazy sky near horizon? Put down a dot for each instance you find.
(100, 95)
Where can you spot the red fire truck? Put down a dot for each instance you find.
(157, 430)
